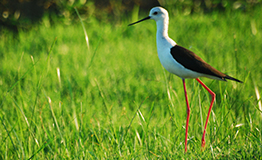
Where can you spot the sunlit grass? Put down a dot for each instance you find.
(115, 100)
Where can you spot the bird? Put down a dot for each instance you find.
(183, 62)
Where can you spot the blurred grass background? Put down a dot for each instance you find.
(113, 99)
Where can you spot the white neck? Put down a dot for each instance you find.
(162, 28)
(162, 37)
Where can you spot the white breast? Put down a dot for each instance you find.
(164, 46)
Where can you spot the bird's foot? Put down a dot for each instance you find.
(203, 145)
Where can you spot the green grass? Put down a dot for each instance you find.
(115, 100)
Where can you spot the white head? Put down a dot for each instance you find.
(160, 15)
(157, 14)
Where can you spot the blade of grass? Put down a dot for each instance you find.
(56, 123)
(41, 148)
(86, 37)
(46, 143)
(26, 120)
(93, 56)
(49, 53)
(123, 138)
(8, 133)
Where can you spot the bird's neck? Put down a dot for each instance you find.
(162, 29)
(162, 37)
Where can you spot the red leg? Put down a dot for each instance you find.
(188, 114)
(209, 111)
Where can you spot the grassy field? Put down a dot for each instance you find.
(113, 99)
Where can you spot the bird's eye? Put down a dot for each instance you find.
(155, 13)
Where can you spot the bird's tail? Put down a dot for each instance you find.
(231, 78)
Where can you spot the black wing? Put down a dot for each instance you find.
(193, 62)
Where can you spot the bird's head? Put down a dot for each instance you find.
(156, 13)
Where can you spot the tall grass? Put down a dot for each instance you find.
(115, 100)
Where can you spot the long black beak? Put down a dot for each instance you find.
(139, 21)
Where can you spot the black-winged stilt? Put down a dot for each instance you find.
(182, 62)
